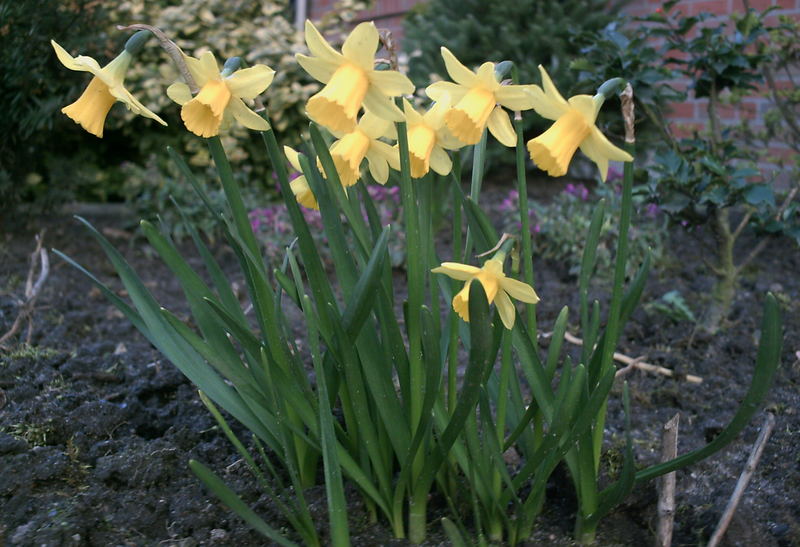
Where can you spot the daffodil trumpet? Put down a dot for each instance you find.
(221, 95)
(105, 88)
(429, 138)
(574, 128)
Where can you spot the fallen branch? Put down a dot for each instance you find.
(638, 363)
(39, 258)
(666, 491)
(744, 479)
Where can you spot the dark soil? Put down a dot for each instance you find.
(96, 428)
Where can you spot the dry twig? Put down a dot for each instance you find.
(639, 363)
(744, 479)
(666, 493)
(40, 259)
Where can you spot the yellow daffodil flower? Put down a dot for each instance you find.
(497, 286)
(350, 79)
(362, 142)
(478, 98)
(299, 185)
(92, 107)
(428, 138)
(574, 128)
(221, 97)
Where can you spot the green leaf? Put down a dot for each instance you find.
(760, 193)
(235, 503)
(767, 361)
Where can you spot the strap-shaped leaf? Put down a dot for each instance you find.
(617, 492)
(174, 347)
(767, 361)
(480, 359)
(235, 503)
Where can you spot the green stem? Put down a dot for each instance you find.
(416, 288)
(478, 161)
(525, 236)
(233, 195)
(452, 355)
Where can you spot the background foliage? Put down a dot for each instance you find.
(130, 161)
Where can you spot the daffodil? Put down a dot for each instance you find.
(221, 96)
(105, 88)
(428, 138)
(363, 142)
(497, 286)
(299, 185)
(574, 128)
(478, 99)
(350, 79)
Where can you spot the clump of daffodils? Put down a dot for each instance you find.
(357, 106)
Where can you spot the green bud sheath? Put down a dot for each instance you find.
(136, 42)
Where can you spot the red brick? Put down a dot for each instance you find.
(682, 110)
(717, 7)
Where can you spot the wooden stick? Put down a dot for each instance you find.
(38, 257)
(666, 493)
(744, 479)
(638, 363)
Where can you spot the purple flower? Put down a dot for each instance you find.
(651, 210)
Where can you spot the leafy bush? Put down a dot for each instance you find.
(129, 162)
(559, 226)
(33, 90)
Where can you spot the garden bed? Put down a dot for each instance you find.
(97, 427)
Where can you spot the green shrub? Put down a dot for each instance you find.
(559, 226)
(41, 157)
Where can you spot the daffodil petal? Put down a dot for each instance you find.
(203, 69)
(549, 88)
(586, 105)
(302, 192)
(440, 161)
(514, 97)
(319, 47)
(439, 90)
(486, 76)
(434, 117)
(460, 272)
(505, 309)
(373, 125)
(412, 116)
(519, 290)
(378, 167)
(82, 63)
(293, 157)
(382, 106)
(250, 82)
(545, 106)
(124, 96)
(179, 92)
(446, 140)
(319, 68)
(361, 45)
(457, 71)
(500, 126)
(389, 153)
(391, 82)
(600, 150)
(245, 116)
